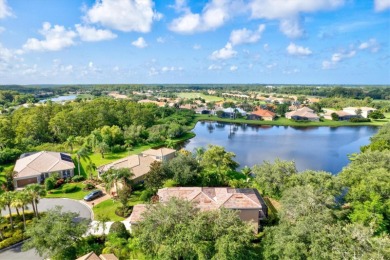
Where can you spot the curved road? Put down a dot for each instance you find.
(45, 204)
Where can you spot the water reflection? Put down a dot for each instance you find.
(317, 148)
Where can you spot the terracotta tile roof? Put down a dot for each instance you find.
(89, 256)
(108, 257)
(263, 113)
(136, 214)
(213, 198)
(41, 162)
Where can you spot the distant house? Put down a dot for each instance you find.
(303, 113)
(262, 114)
(202, 111)
(35, 167)
(233, 112)
(248, 202)
(161, 154)
(343, 116)
(93, 256)
(365, 111)
(139, 164)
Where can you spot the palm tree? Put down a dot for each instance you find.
(22, 199)
(82, 153)
(170, 143)
(199, 151)
(35, 191)
(124, 175)
(6, 200)
(70, 142)
(113, 176)
(91, 167)
(247, 172)
(102, 148)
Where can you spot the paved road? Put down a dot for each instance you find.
(45, 204)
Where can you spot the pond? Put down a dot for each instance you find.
(315, 148)
(60, 98)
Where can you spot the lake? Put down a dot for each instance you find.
(316, 148)
(60, 98)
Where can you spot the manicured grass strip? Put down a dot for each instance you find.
(78, 194)
(287, 122)
(107, 208)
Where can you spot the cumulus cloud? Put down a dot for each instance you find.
(288, 12)
(214, 14)
(226, 52)
(214, 67)
(246, 36)
(293, 49)
(56, 38)
(233, 68)
(140, 43)
(91, 34)
(5, 11)
(336, 58)
(382, 5)
(171, 69)
(371, 45)
(124, 15)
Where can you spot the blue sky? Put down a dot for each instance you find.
(203, 41)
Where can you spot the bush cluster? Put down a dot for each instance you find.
(359, 119)
(16, 237)
(78, 178)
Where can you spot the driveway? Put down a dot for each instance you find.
(45, 204)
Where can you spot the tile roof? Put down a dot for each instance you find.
(89, 256)
(159, 152)
(136, 214)
(213, 198)
(263, 113)
(41, 162)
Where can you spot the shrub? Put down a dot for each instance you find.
(119, 229)
(123, 212)
(117, 148)
(8, 155)
(70, 189)
(78, 178)
(359, 119)
(59, 182)
(146, 195)
(49, 183)
(17, 236)
(89, 186)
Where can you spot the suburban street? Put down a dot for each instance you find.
(45, 204)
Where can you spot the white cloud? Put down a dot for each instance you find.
(298, 50)
(246, 36)
(226, 52)
(6, 55)
(170, 69)
(214, 14)
(214, 67)
(197, 47)
(381, 5)
(56, 38)
(5, 11)
(160, 40)
(371, 45)
(153, 71)
(336, 58)
(91, 34)
(140, 43)
(288, 12)
(124, 15)
(233, 68)
(291, 28)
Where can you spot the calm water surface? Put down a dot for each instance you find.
(61, 98)
(316, 148)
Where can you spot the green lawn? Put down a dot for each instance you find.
(77, 195)
(108, 207)
(199, 95)
(287, 122)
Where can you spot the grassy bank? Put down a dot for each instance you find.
(287, 122)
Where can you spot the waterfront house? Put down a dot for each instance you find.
(365, 111)
(233, 112)
(303, 113)
(262, 114)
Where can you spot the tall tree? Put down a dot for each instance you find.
(7, 199)
(217, 159)
(82, 153)
(35, 191)
(91, 168)
(70, 142)
(56, 234)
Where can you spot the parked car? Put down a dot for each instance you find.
(93, 195)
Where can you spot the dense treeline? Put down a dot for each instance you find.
(26, 128)
(13, 98)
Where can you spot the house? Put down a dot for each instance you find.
(365, 111)
(202, 111)
(262, 114)
(140, 163)
(303, 113)
(93, 256)
(233, 112)
(35, 167)
(248, 202)
(161, 154)
(343, 116)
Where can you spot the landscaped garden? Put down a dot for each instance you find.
(10, 236)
